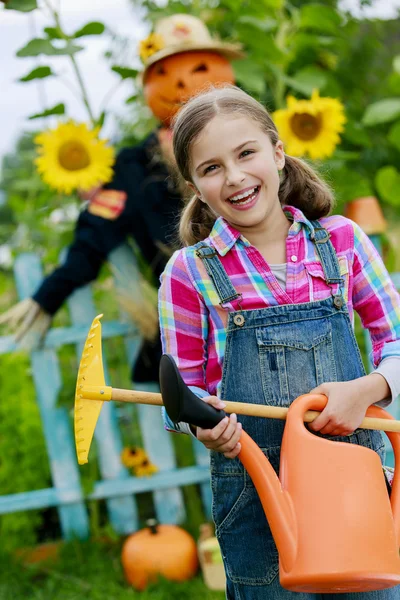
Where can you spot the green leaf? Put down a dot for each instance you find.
(382, 111)
(267, 24)
(35, 47)
(131, 99)
(53, 33)
(356, 134)
(93, 28)
(347, 183)
(58, 109)
(125, 72)
(387, 183)
(38, 73)
(394, 135)
(320, 18)
(70, 49)
(44, 46)
(21, 5)
(396, 64)
(306, 80)
(250, 75)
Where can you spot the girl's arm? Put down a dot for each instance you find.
(378, 304)
(184, 328)
(184, 334)
(375, 298)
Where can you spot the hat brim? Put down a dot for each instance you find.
(231, 51)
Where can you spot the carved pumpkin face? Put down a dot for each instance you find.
(172, 80)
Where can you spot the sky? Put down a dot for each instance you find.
(19, 100)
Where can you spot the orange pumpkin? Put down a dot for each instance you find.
(165, 550)
(172, 80)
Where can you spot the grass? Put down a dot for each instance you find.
(88, 570)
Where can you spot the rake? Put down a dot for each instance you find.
(180, 403)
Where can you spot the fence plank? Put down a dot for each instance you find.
(122, 511)
(56, 424)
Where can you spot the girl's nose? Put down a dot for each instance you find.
(234, 177)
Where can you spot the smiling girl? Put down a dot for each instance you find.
(257, 307)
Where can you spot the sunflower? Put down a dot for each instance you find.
(310, 126)
(71, 156)
(153, 43)
(146, 469)
(132, 456)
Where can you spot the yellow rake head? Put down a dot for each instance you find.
(91, 391)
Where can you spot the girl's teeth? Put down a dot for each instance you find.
(244, 199)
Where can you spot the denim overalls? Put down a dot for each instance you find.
(273, 355)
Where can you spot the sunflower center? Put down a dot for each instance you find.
(73, 156)
(305, 126)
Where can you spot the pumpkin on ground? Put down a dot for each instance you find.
(166, 550)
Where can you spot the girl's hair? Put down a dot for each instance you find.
(300, 185)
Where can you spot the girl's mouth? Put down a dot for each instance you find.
(246, 200)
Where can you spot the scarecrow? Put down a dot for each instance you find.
(142, 200)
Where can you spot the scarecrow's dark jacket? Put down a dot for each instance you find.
(149, 217)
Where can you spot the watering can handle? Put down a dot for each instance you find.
(318, 402)
(376, 411)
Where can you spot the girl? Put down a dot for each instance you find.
(258, 308)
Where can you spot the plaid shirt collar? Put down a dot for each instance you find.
(223, 236)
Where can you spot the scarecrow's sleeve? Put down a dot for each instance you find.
(101, 227)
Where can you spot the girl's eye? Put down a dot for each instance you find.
(209, 169)
(160, 70)
(246, 153)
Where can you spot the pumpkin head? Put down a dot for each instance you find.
(165, 550)
(172, 80)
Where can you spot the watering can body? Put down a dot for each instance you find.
(329, 512)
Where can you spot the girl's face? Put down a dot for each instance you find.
(234, 169)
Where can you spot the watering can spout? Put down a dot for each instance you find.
(276, 502)
(182, 405)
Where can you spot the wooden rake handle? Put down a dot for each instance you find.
(244, 408)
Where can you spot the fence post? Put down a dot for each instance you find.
(56, 422)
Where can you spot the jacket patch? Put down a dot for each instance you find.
(108, 204)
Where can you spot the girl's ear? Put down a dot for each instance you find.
(195, 191)
(279, 155)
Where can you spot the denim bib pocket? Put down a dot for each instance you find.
(291, 364)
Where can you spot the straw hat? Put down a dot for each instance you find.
(182, 33)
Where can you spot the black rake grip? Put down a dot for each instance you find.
(180, 403)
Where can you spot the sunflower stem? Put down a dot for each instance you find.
(81, 84)
(281, 44)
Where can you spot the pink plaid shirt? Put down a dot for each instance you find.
(193, 324)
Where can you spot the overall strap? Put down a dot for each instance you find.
(329, 260)
(216, 271)
(326, 253)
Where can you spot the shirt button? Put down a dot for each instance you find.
(293, 258)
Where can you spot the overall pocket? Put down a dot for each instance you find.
(295, 357)
(249, 551)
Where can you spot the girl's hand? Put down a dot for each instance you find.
(348, 402)
(225, 436)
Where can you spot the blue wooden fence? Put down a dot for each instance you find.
(117, 487)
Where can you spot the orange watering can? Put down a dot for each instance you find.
(329, 512)
(334, 525)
